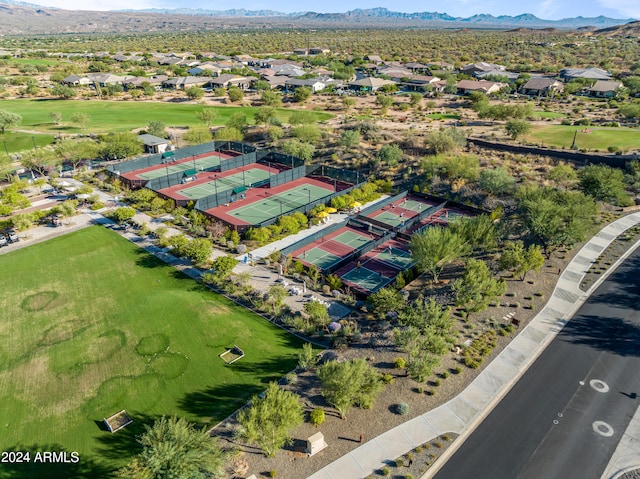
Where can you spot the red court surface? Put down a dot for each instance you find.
(440, 218)
(134, 175)
(205, 177)
(255, 195)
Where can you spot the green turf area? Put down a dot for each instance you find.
(367, 279)
(443, 116)
(108, 116)
(16, 141)
(548, 114)
(319, 257)
(598, 138)
(92, 325)
(279, 204)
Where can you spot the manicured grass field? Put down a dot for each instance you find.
(547, 114)
(16, 141)
(597, 138)
(108, 116)
(92, 325)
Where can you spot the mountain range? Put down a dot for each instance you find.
(18, 17)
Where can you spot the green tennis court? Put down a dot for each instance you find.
(320, 258)
(199, 164)
(398, 258)
(280, 204)
(390, 218)
(227, 183)
(367, 279)
(352, 239)
(414, 205)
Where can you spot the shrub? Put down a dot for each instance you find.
(272, 473)
(408, 476)
(457, 370)
(402, 409)
(399, 363)
(291, 378)
(387, 378)
(399, 462)
(316, 417)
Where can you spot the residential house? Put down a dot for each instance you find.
(182, 83)
(370, 84)
(154, 144)
(422, 83)
(228, 79)
(138, 82)
(604, 89)
(316, 84)
(275, 81)
(301, 52)
(104, 79)
(76, 80)
(417, 68)
(510, 76)
(466, 87)
(319, 51)
(287, 69)
(569, 74)
(472, 68)
(396, 73)
(375, 59)
(542, 87)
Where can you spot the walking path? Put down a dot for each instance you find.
(465, 412)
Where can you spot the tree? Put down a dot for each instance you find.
(80, 119)
(228, 133)
(603, 183)
(349, 383)
(350, 139)
(270, 418)
(271, 98)
(318, 312)
(348, 103)
(194, 92)
(8, 120)
(476, 288)
(390, 154)
(198, 135)
(516, 128)
(445, 140)
(56, 117)
(223, 266)
(384, 301)
(172, 448)
(307, 134)
(295, 147)
(123, 213)
(564, 175)
(477, 232)
(199, 250)
(302, 94)
(235, 94)
(207, 115)
(63, 91)
(385, 101)
(515, 257)
(238, 121)
(264, 115)
(555, 217)
(415, 99)
(117, 146)
(496, 181)
(157, 128)
(436, 248)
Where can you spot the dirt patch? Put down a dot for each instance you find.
(40, 301)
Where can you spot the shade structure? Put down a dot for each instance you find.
(331, 210)
(322, 214)
(355, 204)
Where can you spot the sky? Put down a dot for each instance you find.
(546, 9)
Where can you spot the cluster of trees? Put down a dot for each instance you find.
(285, 225)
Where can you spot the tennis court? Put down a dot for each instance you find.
(414, 205)
(280, 204)
(353, 239)
(366, 279)
(389, 218)
(219, 185)
(198, 164)
(397, 258)
(319, 257)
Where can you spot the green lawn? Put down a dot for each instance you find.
(16, 141)
(597, 138)
(108, 116)
(443, 116)
(548, 114)
(92, 325)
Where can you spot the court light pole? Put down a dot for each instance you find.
(215, 183)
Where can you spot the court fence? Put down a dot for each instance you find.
(287, 176)
(423, 214)
(339, 174)
(381, 204)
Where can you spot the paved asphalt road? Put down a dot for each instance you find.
(566, 415)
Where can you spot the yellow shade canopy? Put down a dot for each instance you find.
(331, 210)
(356, 204)
(322, 214)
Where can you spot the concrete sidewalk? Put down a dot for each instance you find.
(462, 414)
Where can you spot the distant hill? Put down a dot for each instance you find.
(25, 18)
(631, 29)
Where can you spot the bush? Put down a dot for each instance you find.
(387, 378)
(399, 462)
(402, 409)
(399, 363)
(291, 378)
(316, 417)
(385, 471)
